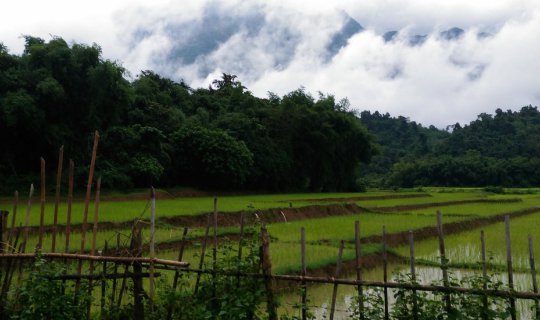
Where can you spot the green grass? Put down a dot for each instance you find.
(465, 247)
(118, 211)
(342, 227)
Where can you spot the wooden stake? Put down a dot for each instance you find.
(240, 245)
(27, 218)
(385, 274)
(533, 276)
(42, 200)
(359, 268)
(267, 273)
(12, 228)
(485, 279)
(509, 264)
(152, 243)
(103, 277)
(69, 204)
(96, 217)
(117, 253)
(303, 263)
(444, 262)
(413, 274)
(203, 253)
(57, 197)
(336, 275)
(88, 193)
(214, 251)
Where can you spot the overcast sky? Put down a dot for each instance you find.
(439, 82)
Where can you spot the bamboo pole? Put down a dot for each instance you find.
(359, 268)
(88, 193)
(533, 276)
(27, 218)
(69, 204)
(88, 257)
(96, 217)
(390, 285)
(444, 261)
(13, 216)
(336, 275)
(413, 274)
(42, 201)
(117, 253)
(509, 264)
(266, 263)
(103, 277)
(152, 243)
(485, 279)
(57, 197)
(240, 245)
(303, 264)
(203, 253)
(385, 274)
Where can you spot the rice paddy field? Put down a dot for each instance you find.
(326, 218)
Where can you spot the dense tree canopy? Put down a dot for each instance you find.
(158, 131)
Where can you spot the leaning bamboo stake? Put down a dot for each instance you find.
(69, 204)
(203, 253)
(93, 247)
(485, 279)
(96, 217)
(13, 216)
(57, 197)
(533, 276)
(42, 201)
(27, 218)
(336, 275)
(413, 274)
(509, 264)
(359, 268)
(88, 193)
(152, 244)
(303, 264)
(385, 274)
(444, 261)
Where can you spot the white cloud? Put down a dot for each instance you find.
(439, 82)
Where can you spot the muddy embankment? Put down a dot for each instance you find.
(276, 215)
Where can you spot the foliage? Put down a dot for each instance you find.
(424, 305)
(42, 297)
(158, 131)
(218, 296)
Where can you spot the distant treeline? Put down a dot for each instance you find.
(498, 150)
(157, 131)
(161, 132)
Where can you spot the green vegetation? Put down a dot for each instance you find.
(157, 131)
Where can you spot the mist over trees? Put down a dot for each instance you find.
(162, 132)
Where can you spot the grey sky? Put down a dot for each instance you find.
(281, 45)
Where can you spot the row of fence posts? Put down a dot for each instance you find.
(13, 238)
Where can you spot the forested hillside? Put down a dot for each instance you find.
(157, 131)
(500, 150)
